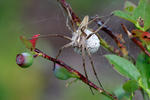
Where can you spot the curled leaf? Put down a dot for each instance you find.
(26, 42)
(34, 39)
(62, 73)
(30, 44)
(143, 36)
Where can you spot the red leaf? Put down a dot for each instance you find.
(34, 39)
(143, 36)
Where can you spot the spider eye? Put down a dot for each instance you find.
(24, 60)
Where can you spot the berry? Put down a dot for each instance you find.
(24, 60)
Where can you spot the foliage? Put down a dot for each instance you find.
(125, 67)
(138, 73)
(132, 13)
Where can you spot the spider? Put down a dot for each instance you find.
(84, 41)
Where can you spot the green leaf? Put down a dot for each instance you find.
(130, 86)
(147, 90)
(62, 73)
(142, 10)
(121, 93)
(124, 67)
(125, 16)
(26, 42)
(129, 6)
(143, 65)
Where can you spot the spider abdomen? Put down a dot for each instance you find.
(92, 43)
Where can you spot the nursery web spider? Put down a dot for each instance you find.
(84, 41)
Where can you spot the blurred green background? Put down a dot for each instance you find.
(28, 17)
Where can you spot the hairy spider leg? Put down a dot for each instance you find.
(99, 27)
(55, 35)
(68, 15)
(83, 60)
(84, 25)
(92, 64)
(63, 47)
(67, 24)
(71, 20)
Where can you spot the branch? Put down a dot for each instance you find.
(81, 77)
(111, 34)
(67, 7)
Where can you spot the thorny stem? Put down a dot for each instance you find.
(81, 77)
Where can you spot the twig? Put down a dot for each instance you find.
(81, 77)
(67, 7)
(108, 47)
(111, 34)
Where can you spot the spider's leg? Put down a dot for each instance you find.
(98, 28)
(83, 59)
(73, 81)
(55, 35)
(60, 50)
(71, 20)
(67, 15)
(97, 17)
(93, 20)
(92, 64)
(65, 46)
(67, 24)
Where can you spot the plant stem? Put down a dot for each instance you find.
(131, 96)
(111, 34)
(81, 77)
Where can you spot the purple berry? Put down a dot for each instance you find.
(24, 60)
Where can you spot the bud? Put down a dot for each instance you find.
(62, 73)
(24, 60)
